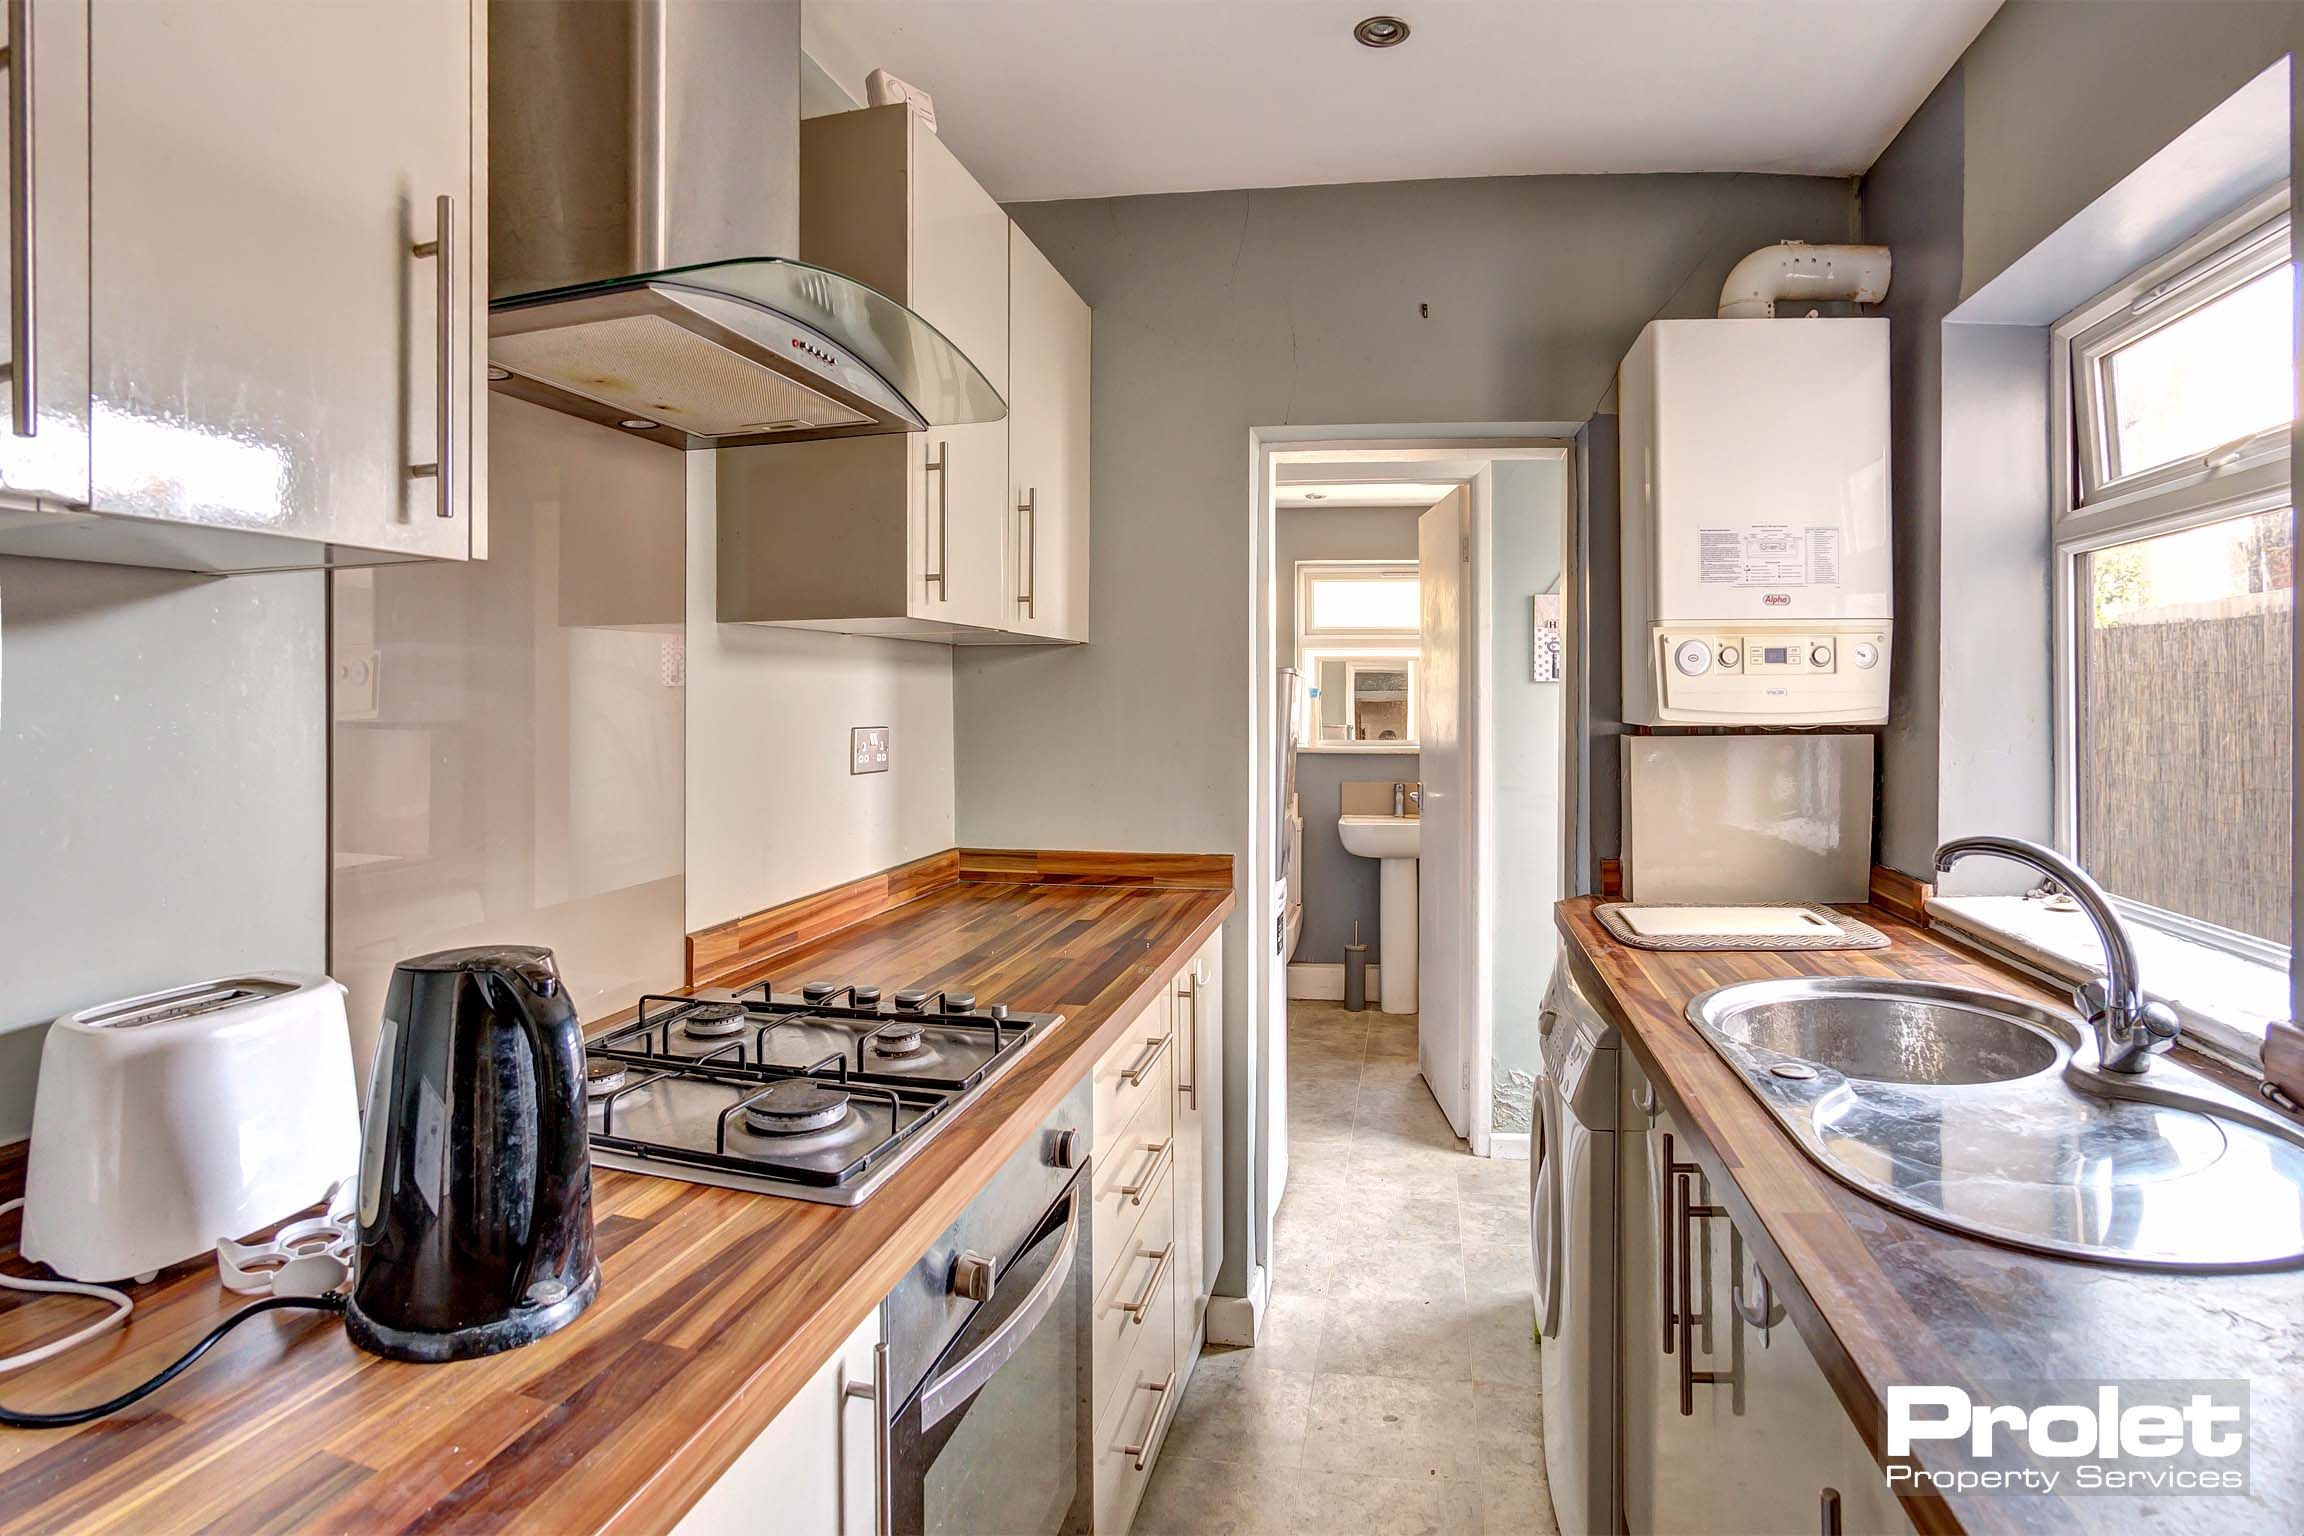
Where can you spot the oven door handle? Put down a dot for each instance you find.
(951, 1390)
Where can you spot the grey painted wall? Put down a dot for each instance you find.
(1218, 313)
(1339, 886)
(1530, 497)
(2049, 109)
(162, 789)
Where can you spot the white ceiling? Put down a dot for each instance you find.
(1100, 98)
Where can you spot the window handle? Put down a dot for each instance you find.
(2218, 457)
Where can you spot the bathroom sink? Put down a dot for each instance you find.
(1379, 837)
(1990, 1115)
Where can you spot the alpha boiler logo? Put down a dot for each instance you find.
(2139, 1438)
(1777, 599)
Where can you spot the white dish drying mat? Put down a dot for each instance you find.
(1754, 925)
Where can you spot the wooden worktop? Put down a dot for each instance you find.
(1883, 1299)
(715, 1305)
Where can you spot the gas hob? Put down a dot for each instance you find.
(819, 1095)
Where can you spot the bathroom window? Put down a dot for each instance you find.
(1358, 643)
(2176, 587)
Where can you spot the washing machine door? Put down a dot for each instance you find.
(1545, 1223)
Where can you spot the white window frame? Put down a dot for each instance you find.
(2096, 508)
(1355, 646)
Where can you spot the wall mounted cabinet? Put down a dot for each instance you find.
(926, 535)
(273, 360)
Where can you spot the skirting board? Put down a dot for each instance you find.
(1321, 981)
(1512, 1146)
(1236, 1320)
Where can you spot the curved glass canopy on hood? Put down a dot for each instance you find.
(728, 353)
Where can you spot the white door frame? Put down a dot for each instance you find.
(1428, 445)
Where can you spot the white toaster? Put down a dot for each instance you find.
(168, 1121)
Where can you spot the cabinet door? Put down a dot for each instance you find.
(959, 263)
(44, 342)
(810, 1471)
(266, 335)
(1048, 366)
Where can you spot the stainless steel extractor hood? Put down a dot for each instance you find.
(643, 156)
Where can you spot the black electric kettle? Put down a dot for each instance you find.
(475, 1166)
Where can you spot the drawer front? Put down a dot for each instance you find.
(1139, 1067)
(1131, 1423)
(1131, 1175)
(1133, 1307)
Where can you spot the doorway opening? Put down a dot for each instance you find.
(1410, 776)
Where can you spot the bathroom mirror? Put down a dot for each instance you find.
(1363, 702)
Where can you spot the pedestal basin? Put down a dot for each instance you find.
(1990, 1115)
(1392, 841)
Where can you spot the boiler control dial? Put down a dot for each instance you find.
(1693, 658)
(1820, 656)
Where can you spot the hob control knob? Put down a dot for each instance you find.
(912, 998)
(817, 991)
(1820, 656)
(972, 1276)
(1693, 658)
(959, 1002)
(867, 997)
(998, 1011)
(1864, 653)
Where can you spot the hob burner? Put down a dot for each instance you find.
(899, 1039)
(602, 1078)
(713, 1021)
(797, 1106)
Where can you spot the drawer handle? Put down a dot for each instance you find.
(1134, 1076)
(1160, 1152)
(1143, 1452)
(1686, 1213)
(1137, 1308)
(876, 1393)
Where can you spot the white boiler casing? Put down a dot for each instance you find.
(1755, 522)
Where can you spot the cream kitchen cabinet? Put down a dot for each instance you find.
(1048, 369)
(901, 534)
(1198, 1012)
(278, 282)
(811, 1471)
(964, 535)
(1729, 1422)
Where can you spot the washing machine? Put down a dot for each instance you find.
(1572, 1174)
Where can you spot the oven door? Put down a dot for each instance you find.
(997, 1438)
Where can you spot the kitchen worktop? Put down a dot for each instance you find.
(1886, 1300)
(715, 1305)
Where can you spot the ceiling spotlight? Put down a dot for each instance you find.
(637, 424)
(1381, 32)
(498, 375)
(1315, 495)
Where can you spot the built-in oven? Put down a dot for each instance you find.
(988, 1346)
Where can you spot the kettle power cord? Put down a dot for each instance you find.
(122, 1305)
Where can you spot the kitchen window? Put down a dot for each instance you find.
(2175, 584)
(1359, 638)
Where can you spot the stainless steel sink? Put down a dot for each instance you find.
(1991, 1116)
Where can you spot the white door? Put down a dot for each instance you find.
(1442, 915)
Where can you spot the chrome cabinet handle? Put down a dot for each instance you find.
(941, 467)
(1029, 511)
(23, 215)
(1134, 1076)
(875, 1392)
(1161, 1152)
(1828, 1511)
(1188, 993)
(441, 248)
(1686, 1212)
(1143, 1451)
(1137, 1308)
